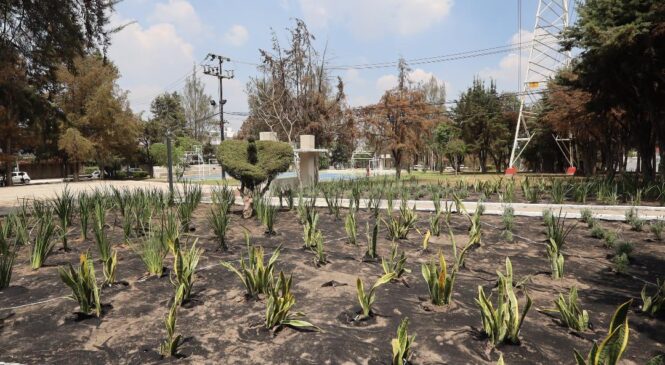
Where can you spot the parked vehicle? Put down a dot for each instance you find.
(20, 177)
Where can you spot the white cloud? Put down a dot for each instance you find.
(180, 13)
(372, 18)
(149, 59)
(386, 82)
(237, 35)
(506, 72)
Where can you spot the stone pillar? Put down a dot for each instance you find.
(309, 161)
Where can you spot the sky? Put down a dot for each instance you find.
(169, 39)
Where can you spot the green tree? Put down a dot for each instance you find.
(622, 64)
(254, 164)
(92, 103)
(197, 108)
(168, 114)
(77, 148)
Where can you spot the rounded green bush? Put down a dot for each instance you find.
(272, 158)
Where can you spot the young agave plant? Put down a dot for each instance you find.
(652, 304)
(279, 304)
(84, 205)
(6, 229)
(572, 314)
(83, 284)
(657, 229)
(6, 266)
(219, 220)
(319, 252)
(395, 264)
(502, 323)
(170, 346)
(367, 299)
(152, 253)
(613, 346)
(256, 276)
(351, 227)
(372, 237)
(184, 267)
(402, 344)
(426, 238)
(309, 229)
(63, 206)
(508, 221)
(44, 243)
(439, 282)
(556, 238)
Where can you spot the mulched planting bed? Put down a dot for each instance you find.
(220, 325)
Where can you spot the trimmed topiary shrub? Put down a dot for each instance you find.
(254, 162)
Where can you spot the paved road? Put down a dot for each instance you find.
(9, 197)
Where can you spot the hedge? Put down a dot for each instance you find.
(273, 158)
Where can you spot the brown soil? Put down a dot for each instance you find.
(221, 326)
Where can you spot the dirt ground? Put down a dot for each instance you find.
(221, 326)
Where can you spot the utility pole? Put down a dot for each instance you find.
(221, 74)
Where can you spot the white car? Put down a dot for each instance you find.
(20, 177)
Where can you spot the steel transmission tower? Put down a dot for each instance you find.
(545, 59)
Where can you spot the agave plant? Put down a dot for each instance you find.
(6, 229)
(319, 252)
(184, 267)
(367, 299)
(508, 221)
(309, 229)
(255, 275)
(570, 311)
(502, 323)
(657, 229)
(395, 263)
(372, 237)
(610, 350)
(652, 304)
(44, 243)
(351, 227)
(633, 218)
(63, 206)
(83, 284)
(279, 304)
(219, 219)
(152, 253)
(84, 205)
(402, 344)
(170, 346)
(6, 266)
(557, 231)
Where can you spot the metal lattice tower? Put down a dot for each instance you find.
(545, 59)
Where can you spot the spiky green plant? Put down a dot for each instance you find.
(633, 218)
(44, 243)
(598, 232)
(558, 191)
(152, 253)
(184, 267)
(557, 231)
(351, 227)
(309, 229)
(279, 304)
(366, 299)
(189, 197)
(425, 242)
(170, 346)
(652, 304)
(610, 350)
(372, 237)
(402, 344)
(508, 222)
(269, 214)
(170, 229)
(63, 206)
(621, 263)
(219, 219)
(6, 229)
(610, 238)
(83, 284)
(255, 275)
(571, 313)
(586, 215)
(6, 266)
(657, 229)
(502, 323)
(109, 269)
(318, 249)
(395, 263)
(548, 217)
(99, 231)
(84, 205)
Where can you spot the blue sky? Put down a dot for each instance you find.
(171, 36)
